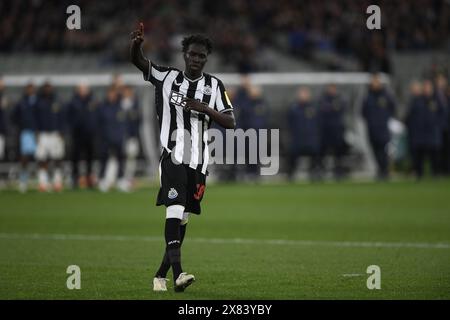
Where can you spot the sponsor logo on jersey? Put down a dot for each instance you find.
(176, 99)
(172, 193)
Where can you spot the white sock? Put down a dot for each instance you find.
(43, 177)
(57, 177)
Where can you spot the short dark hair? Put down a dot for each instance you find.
(198, 39)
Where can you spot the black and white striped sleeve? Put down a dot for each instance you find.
(155, 74)
(223, 103)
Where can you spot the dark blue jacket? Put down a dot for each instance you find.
(133, 120)
(448, 112)
(50, 114)
(424, 122)
(332, 111)
(253, 112)
(444, 101)
(82, 115)
(378, 107)
(304, 127)
(2, 116)
(112, 121)
(24, 113)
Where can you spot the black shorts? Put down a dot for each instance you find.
(180, 185)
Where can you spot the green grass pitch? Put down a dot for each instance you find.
(251, 242)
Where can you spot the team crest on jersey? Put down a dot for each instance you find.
(207, 90)
(172, 193)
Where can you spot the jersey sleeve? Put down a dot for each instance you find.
(155, 74)
(223, 103)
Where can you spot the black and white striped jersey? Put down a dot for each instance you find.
(170, 86)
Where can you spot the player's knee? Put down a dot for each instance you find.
(175, 211)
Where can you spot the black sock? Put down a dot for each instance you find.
(165, 264)
(173, 244)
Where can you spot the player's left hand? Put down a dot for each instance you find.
(192, 104)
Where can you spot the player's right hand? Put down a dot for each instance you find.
(138, 35)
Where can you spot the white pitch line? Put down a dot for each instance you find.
(342, 244)
(351, 275)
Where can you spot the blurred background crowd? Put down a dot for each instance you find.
(327, 32)
(65, 135)
(41, 127)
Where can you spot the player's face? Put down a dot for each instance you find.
(195, 57)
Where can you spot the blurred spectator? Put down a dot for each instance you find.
(117, 83)
(304, 129)
(253, 114)
(113, 130)
(50, 116)
(3, 128)
(447, 136)
(441, 85)
(2, 120)
(24, 116)
(378, 107)
(332, 111)
(424, 121)
(130, 105)
(82, 118)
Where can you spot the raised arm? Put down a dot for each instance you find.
(136, 54)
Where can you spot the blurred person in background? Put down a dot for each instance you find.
(51, 121)
(332, 112)
(82, 120)
(130, 105)
(3, 106)
(253, 114)
(304, 129)
(24, 117)
(378, 107)
(112, 122)
(447, 158)
(424, 122)
(441, 85)
(117, 83)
